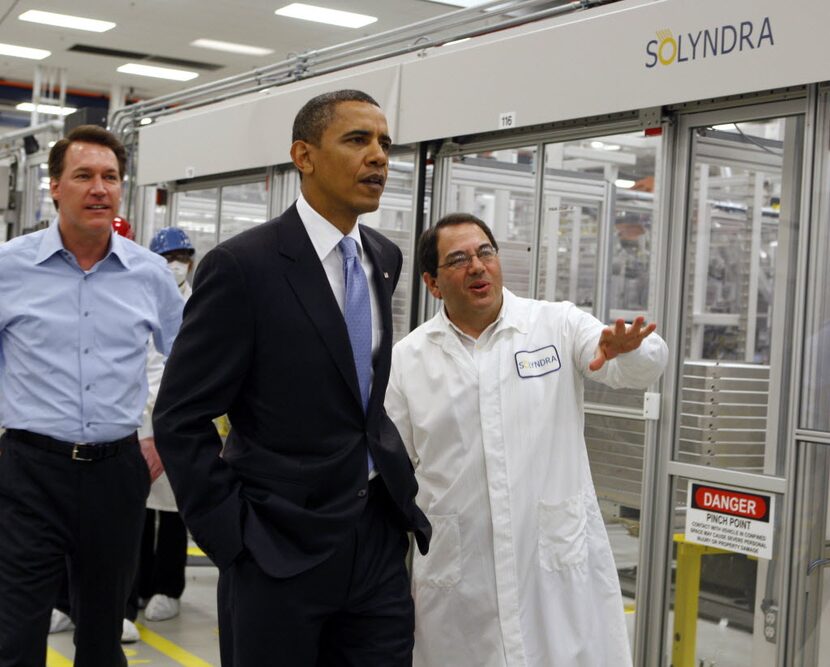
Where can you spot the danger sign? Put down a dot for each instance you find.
(730, 519)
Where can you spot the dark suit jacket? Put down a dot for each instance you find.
(264, 340)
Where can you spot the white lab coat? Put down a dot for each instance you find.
(161, 493)
(519, 570)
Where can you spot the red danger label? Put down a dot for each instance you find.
(727, 501)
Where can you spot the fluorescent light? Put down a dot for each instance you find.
(459, 3)
(597, 144)
(230, 47)
(624, 183)
(50, 109)
(23, 52)
(66, 21)
(145, 121)
(298, 10)
(157, 72)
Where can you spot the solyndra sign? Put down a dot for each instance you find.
(712, 42)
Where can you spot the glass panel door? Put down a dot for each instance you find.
(395, 219)
(196, 213)
(243, 206)
(810, 580)
(598, 210)
(498, 187)
(737, 275)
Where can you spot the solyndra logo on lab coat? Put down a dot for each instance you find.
(708, 43)
(537, 362)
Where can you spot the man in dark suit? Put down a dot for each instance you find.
(289, 331)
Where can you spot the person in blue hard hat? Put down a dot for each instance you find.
(160, 579)
(174, 245)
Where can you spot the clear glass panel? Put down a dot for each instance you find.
(394, 218)
(723, 604)
(196, 214)
(816, 370)
(498, 187)
(42, 207)
(738, 272)
(812, 552)
(589, 183)
(155, 202)
(243, 206)
(616, 447)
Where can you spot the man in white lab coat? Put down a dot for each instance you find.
(488, 397)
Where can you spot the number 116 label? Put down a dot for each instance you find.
(507, 120)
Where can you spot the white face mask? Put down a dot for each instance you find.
(179, 271)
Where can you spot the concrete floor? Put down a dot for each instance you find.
(191, 639)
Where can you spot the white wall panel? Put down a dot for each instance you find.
(594, 62)
(249, 132)
(584, 64)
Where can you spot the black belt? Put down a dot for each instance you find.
(77, 451)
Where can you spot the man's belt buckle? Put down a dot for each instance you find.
(77, 454)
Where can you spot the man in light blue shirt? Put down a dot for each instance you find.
(78, 304)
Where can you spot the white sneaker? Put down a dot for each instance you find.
(160, 608)
(60, 622)
(129, 633)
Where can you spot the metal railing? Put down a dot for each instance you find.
(420, 36)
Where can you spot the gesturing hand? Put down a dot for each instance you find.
(619, 340)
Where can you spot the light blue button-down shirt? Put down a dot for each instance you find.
(73, 343)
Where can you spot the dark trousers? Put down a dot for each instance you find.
(58, 514)
(161, 562)
(354, 609)
(163, 555)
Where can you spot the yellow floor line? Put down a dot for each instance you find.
(55, 659)
(169, 649)
(195, 551)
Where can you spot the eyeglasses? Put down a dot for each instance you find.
(462, 260)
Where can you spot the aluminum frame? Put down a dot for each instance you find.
(670, 469)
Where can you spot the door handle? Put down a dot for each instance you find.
(819, 562)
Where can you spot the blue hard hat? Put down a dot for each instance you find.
(169, 239)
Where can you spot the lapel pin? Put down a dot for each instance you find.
(386, 275)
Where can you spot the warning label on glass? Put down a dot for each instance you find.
(730, 519)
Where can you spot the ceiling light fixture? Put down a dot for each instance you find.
(624, 183)
(230, 47)
(49, 109)
(66, 21)
(299, 10)
(459, 3)
(23, 52)
(157, 72)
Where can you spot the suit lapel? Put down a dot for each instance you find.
(383, 277)
(308, 280)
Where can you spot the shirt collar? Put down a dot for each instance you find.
(324, 235)
(512, 315)
(52, 243)
(118, 247)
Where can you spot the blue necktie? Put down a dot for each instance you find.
(357, 312)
